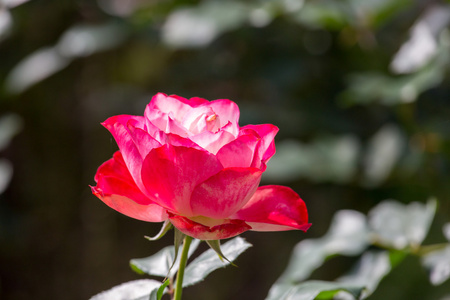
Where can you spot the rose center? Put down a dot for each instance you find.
(207, 121)
(212, 123)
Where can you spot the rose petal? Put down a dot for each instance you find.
(178, 106)
(126, 206)
(266, 147)
(194, 101)
(176, 140)
(225, 193)
(142, 140)
(195, 119)
(228, 112)
(171, 173)
(173, 126)
(196, 230)
(211, 141)
(116, 188)
(240, 152)
(165, 122)
(274, 208)
(132, 141)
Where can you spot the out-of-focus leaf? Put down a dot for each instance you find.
(371, 269)
(377, 12)
(446, 230)
(262, 16)
(159, 264)
(313, 289)
(348, 235)
(10, 125)
(398, 225)
(396, 257)
(423, 44)
(83, 40)
(372, 87)
(384, 150)
(80, 40)
(5, 22)
(35, 68)
(336, 15)
(6, 172)
(132, 290)
(119, 7)
(327, 158)
(12, 3)
(438, 263)
(323, 14)
(198, 26)
(208, 261)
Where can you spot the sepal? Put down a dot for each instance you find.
(215, 245)
(164, 229)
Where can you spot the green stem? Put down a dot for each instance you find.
(180, 275)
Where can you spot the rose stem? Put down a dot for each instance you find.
(180, 275)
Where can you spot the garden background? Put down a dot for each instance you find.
(359, 89)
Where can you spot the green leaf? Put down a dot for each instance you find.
(161, 289)
(438, 264)
(160, 263)
(164, 229)
(309, 290)
(399, 226)
(348, 235)
(202, 23)
(157, 294)
(208, 261)
(133, 290)
(215, 245)
(370, 270)
(396, 256)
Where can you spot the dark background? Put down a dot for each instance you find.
(359, 89)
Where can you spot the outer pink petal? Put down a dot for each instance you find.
(171, 173)
(194, 101)
(116, 188)
(202, 232)
(225, 193)
(143, 141)
(274, 208)
(133, 142)
(266, 147)
(240, 152)
(176, 140)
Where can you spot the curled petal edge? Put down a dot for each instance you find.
(274, 208)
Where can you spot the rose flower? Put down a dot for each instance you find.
(189, 162)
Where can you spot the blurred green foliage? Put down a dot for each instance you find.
(359, 89)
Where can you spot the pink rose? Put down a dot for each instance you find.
(189, 161)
